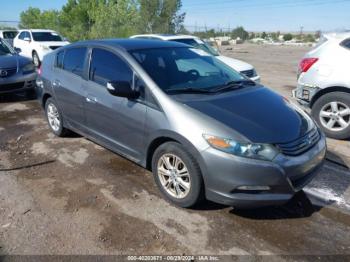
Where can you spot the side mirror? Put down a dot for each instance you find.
(122, 89)
(18, 50)
(27, 39)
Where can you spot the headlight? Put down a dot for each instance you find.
(249, 150)
(29, 68)
(44, 47)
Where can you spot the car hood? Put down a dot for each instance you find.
(236, 64)
(257, 113)
(12, 61)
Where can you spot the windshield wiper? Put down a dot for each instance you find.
(189, 90)
(233, 85)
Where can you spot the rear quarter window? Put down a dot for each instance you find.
(59, 59)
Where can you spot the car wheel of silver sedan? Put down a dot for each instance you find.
(54, 118)
(174, 176)
(332, 112)
(177, 175)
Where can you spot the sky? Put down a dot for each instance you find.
(254, 15)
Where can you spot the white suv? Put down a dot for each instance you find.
(324, 84)
(238, 65)
(35, 43)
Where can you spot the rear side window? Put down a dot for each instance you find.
(74, 59)
(106, 66)
(59, 59)
(346, 43)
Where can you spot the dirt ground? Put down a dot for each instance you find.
(71, 196)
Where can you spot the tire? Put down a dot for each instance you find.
(36, 59)
(56, 127)
(323, 112)
(193, 180)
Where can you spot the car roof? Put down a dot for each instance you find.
(166, 37)
(132, 44)
(36, 30)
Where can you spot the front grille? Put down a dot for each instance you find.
(300, 145)
(54, 47)
(248, 73)
(10, 87)
(7, 72)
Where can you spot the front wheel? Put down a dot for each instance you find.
(177, 175)
(332, 113)
(36, 59)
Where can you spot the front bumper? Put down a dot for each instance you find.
(17, 83)
(225, 174)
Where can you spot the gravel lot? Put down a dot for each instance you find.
(70, 196)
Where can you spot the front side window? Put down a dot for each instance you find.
(185, 68)
(74, 59)
(106, 66)
(46, 37)
(27, 35)
(21, 35)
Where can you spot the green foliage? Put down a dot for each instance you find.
(287, 37)
(264, 35)
(240, 32)
(89, 19)
(35, 18)
(161, 16)
(6, 27)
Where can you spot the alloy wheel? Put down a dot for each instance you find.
(174, 176)
(335, 116)
(53, 117)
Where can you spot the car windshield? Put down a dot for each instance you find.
(46, 37)
(9, 34)
(186, 69)
(198, 43)
(5, 49)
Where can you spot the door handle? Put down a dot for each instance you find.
(91, 99)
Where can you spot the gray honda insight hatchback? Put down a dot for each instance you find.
(203, 129)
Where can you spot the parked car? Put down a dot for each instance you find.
(205, 130)
(17, 73)
(238, 65)
(324, 84)
(8, 35)
(35, 43)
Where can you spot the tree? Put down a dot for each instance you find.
(264, 35)
(114, 19)
(287, 37)
(240, 32)
(161, 16)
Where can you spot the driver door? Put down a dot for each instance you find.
(117, 122)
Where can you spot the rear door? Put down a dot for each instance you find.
(116, 121)
(68, 83)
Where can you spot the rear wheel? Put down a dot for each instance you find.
(54, 118)
(177, 175)
(332, 113)
(36, 59)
